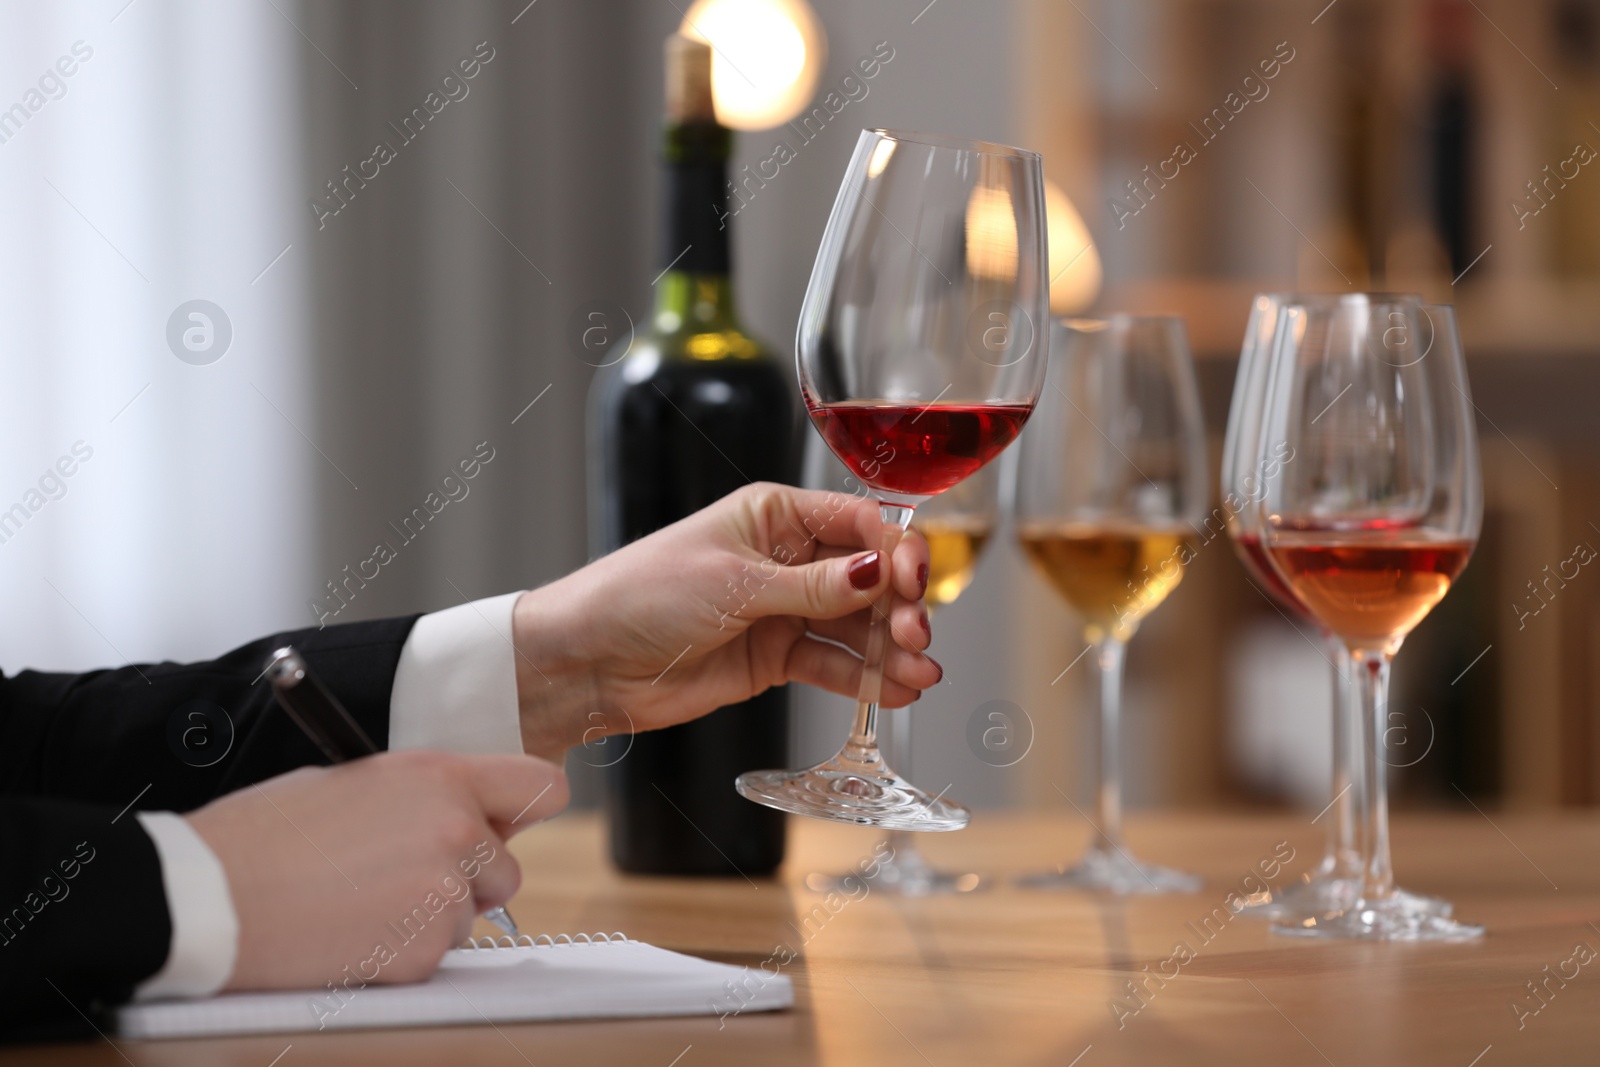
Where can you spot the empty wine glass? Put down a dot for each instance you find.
(1111, 487)
(1369, 526)
(921, 354)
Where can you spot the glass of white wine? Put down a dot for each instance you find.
(1111, 485)
(957, 525)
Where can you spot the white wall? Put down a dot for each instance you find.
(161, 175)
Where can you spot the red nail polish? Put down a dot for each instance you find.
(926, 629)
(863, 573)
(922, 584)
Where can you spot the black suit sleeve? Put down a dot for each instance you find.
(83, 915)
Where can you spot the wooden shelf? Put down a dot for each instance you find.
(1499, 319)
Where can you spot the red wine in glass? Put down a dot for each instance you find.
(1254, 557)
(880, 326)
(917, 449)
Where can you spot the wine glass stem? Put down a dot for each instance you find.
(902, 843)
(1342, 852)
(864, 734)
(1108, 800)
(1370, 674)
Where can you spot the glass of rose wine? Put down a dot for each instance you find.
(1111, 485)
(1336, 880)
(1368, 527)
(921, 353)
(957, 524)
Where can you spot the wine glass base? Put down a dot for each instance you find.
(1326, 895)
(1391, 920)
(908, 874)
(1116, 873)
(863, 792)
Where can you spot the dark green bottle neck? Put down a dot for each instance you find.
(694, 295)
(694, 237)
(690, 302)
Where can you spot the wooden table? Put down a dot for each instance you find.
(1009, 976)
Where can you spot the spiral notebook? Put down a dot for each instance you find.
(587, 976)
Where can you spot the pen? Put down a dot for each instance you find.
(323, 719)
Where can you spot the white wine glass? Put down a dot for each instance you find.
(1111, 485)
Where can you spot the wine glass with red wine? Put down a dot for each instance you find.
(921, 353)
(1335, 881)
(1369, 526)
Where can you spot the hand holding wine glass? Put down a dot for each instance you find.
(956, 526)
(713, 610)
(920, 356)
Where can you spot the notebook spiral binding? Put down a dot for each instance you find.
(524, 941)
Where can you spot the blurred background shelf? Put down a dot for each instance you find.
(421, 320)
(1534, 321)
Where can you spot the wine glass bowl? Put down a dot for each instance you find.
(1110, 491)
(920, 353)
(1368, 526)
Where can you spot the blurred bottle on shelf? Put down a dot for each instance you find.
(1574, 216)
(1349, 244)
(1451, 123)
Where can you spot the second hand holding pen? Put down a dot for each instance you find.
(319, 713)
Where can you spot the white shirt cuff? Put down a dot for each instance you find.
(455, 689)
(205, 927)
(456, 686)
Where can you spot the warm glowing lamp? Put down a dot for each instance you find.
(991, 233)
(1074, 261)
(767, 57)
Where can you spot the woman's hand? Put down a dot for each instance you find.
(769, 585)
(369, 871)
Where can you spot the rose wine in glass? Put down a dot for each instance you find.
(1373, 592)
(1334, 882)
(1369, 526)
(921, 354)
(1111, 484)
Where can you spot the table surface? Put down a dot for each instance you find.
(1015, 976)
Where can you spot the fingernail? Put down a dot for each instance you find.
(922, 586)
(937, 668)
(926, 629)
(863, 573)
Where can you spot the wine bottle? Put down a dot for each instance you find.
(696, 409)
(1452, 129)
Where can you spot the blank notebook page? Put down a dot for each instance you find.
(585, 980)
